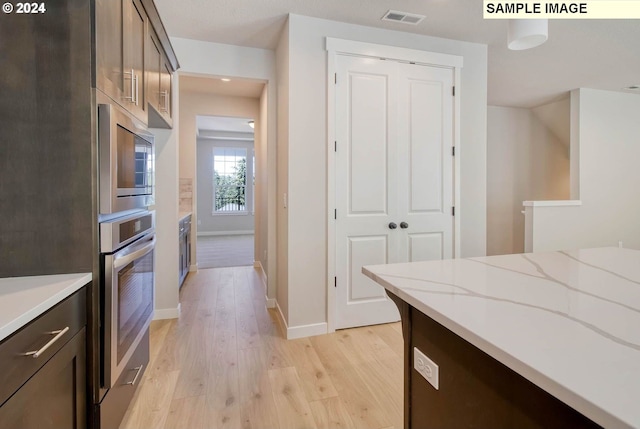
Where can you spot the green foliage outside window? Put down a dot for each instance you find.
(231, 189)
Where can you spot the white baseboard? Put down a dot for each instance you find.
(215, 233)
(306, 330)
(263, 275)
(270, 302)
(193, 268)
(301, 331)
(166, 313)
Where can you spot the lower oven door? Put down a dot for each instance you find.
(128, 304)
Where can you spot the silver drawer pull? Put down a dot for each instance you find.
(133, 382)
(58, 334)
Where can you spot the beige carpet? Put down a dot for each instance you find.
(225, 251)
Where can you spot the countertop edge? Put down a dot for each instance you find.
(44, 305)
(183, 215)
(550, 386)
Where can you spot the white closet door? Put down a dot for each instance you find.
(390, 168)
(425, 180)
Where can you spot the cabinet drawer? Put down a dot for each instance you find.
(117, 400)
(18, 367)
(56, 396)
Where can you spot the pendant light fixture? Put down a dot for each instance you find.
(527, 33)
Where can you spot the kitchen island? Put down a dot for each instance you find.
(529, 340)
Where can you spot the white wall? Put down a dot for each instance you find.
(193, 104)
(608, 125)
(282, 66)
(215, 59)
(305, 105)
(261, 240)
(508, 140)
(207, 222)
(167, 252)
(526, 160)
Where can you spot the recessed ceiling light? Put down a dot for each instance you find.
(632, 88)
(224, 79)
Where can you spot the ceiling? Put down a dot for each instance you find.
(224, 128)
(235, 87)
(600, 54)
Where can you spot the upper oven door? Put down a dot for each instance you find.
(127, 161)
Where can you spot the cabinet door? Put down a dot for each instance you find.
(109, 63)
(56, 396)
(154, 59)
(165, 90)
(134, 25)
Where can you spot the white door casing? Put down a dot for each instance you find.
(393, 164)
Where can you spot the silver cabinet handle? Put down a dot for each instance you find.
(165, 101)
(133, 382)
(58, 334)
(133, 86)
(137, 95)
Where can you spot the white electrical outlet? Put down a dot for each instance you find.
(426, 367)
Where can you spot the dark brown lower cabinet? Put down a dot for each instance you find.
(55, 396)
(475, 390)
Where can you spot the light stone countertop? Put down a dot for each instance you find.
(567, 321)
(183, 215)
(22, 299)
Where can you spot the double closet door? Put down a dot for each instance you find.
(394, 176)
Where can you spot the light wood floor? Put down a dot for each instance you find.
(225, 364)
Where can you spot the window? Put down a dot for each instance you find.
(230, 180)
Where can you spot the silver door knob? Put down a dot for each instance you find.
(404, 225)
(392, 225)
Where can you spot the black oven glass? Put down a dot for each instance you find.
(134, 160)
(135, 300)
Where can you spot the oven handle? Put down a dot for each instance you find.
(121, 261)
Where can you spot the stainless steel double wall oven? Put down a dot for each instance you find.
(127, 252)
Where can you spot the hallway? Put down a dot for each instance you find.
(225, 251)
(225, 364)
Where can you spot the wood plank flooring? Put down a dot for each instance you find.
(226, 364)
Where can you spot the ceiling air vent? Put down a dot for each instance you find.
(404, 17)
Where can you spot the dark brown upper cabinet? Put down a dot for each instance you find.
(133, 46)
(159, 86)
(132, 66)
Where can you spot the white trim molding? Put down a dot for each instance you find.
(166, 313)
(193, 268)
(270, 302)
(302, 331)
(352, 47)
(552, 203)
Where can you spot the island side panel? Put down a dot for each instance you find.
(405, 317)
(475, 390)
